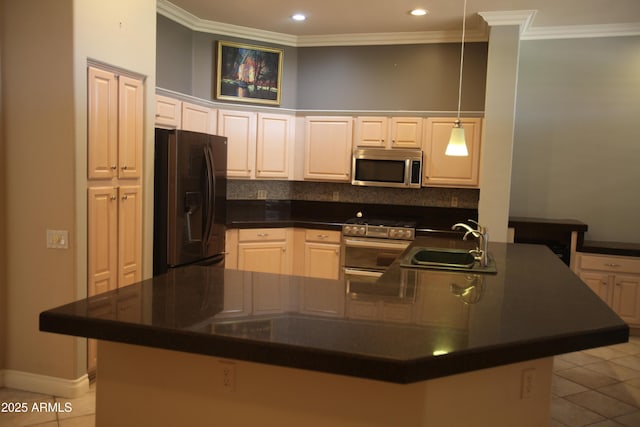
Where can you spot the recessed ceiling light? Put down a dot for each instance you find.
(418, 12)
(298, 17)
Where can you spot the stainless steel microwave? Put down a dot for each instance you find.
(387, 168)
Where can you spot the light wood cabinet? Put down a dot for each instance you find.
(328, 142)
(274, 146)
(264, 250)
(115, 125)
(385, 132)
(114, 237)
(450, 171)
(168, 112)
(322, 254)
(616, 280)
(196, 118)
(240, 129)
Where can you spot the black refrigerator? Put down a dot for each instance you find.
(190, 192)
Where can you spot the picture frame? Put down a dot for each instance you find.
(248, 73)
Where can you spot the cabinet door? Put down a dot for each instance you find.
(322, 260)
(240, 129)
(102, 240)
(275, 138)
(441, 170)
(626, 297)
(130, 127)
(168, 112)
(371, 132)
(598, 283)
(196, 118)
(328, 143)
(264, 257)
(406, 132)
(129, 234)
(102, 147)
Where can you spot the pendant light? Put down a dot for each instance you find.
(457, 145)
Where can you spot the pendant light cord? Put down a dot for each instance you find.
(464, 26)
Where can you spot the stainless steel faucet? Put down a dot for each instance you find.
(482, 236)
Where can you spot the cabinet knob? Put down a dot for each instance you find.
(114, 167)
(125, 197)
(124, 167)
(113, 197)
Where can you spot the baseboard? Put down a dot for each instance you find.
(44, 384)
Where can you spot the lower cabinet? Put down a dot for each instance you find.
(322, 254)
(616, 280)
(265, 250)
(114, 244)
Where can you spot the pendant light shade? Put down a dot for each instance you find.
(457, 144)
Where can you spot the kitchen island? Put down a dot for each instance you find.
(207, 346)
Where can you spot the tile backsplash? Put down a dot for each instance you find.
(344, 192)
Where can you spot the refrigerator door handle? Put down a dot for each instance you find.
(210, 182)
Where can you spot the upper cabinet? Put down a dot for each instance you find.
(385, 132)
(197, 118)
(240, 129)
(328, 142)
(274, 146)
(115, 125)
(259, 145)
(168, 112)
(450, 171)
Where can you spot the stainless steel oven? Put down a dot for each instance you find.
(369, 247)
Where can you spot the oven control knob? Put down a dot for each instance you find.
(361, 231)
(393, 233)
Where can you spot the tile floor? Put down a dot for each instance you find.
(599, 387)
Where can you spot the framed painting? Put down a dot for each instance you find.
(248, 73)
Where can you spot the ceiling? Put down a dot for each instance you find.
(328, 18)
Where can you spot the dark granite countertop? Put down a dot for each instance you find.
(453, 322)
(554, 224)
(610, 248)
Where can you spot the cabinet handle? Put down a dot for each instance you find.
(612, 264)
(322, 236)
(262, 234)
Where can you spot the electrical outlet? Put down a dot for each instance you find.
(528, 383)
(228, 376)
(57, 239)
(454, 201)
(262, 194)
(335, 196)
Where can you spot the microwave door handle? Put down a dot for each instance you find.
(407, 172)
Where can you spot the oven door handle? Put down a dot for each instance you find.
(354, 272)
(370, 244)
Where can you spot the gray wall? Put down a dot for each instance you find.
(404, 77)
(577, 145)
(390, 78)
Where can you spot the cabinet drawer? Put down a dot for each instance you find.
(327, 236)
(262, 234)
(610, 263)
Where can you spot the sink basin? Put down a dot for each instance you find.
(446, 259)
(443, 257)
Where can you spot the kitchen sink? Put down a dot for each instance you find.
(446, 259)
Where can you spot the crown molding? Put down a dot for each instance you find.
(522, 18)
(581, 31)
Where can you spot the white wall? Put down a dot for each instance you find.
(45, 47)
(576, 145)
